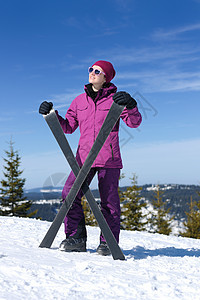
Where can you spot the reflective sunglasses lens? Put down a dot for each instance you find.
(90, 70)
(97, 72)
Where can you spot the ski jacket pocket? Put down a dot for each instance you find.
(82, 106)
(112, 151)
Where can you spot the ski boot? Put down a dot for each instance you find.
(103, 249)
(73, 245)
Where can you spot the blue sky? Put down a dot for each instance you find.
(46, 49)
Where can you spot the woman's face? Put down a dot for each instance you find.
(97, 80)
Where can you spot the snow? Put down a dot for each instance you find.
(51, 190)
(49, 201)
(156, 266)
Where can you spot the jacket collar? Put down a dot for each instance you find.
(105, 91)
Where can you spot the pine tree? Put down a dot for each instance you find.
(89, 217)
(193, 221)
(133, 217)
(160, 220)
(12, 200)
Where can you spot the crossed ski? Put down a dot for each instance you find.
(81, 174)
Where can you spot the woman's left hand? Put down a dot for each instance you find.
(123, 98)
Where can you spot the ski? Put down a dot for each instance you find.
(53, 123)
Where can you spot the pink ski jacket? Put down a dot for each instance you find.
(89, 115)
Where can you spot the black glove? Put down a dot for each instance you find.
(45, 107)
(123, 98)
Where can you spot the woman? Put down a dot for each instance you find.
(88, 111)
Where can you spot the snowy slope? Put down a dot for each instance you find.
(156, 266)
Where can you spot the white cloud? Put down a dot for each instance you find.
(154, 54)
(63, 100)
(160, 81)
(164, 34)
(158, 69)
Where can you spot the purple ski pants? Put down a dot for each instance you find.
(108, 182)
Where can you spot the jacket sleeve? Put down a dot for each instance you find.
(70, 123)
(131, 117)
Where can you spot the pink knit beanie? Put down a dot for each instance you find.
(107, 68)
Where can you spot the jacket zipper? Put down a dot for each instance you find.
(112, 151)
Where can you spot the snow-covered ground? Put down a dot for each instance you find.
(156, 266)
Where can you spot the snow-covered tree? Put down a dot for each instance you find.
(160, 219)
(192, 224)
(132, 209)
(12, 200)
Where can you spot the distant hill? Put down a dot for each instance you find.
(177, 196)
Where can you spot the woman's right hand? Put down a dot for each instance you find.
(45, 107)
